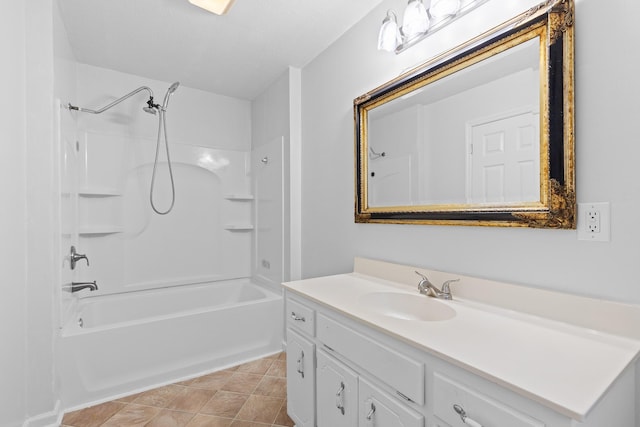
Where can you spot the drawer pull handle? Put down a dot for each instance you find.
(297, 318)
(371, 412)
(463, 416)
(300, 367)
(340, 398)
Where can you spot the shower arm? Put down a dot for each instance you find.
(116, 102)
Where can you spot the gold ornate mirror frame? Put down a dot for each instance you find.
(552, 22)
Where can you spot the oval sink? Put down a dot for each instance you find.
(407, 306)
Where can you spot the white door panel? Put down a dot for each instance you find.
(504, 158)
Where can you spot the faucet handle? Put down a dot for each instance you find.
(75, 257)
(445, 286)
(421, 275)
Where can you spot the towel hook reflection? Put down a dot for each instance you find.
(265, 160)
(375, 155)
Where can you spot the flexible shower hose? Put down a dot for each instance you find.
(162, 126)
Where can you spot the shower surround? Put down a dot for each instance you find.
(184, 276)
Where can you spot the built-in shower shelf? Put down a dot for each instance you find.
(239, 197)
(98, 192)
(97, 230)
(238, 227)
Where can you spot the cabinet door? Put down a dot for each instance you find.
(301, 384)
(378, 409)
(437, 422)
(337, 393)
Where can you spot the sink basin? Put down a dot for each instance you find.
(407, 306)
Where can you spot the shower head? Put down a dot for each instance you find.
(173, 87)
(170, 91)
(151, 108)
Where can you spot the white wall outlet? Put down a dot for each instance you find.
(594, 221)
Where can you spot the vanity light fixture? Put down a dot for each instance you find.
(219, 7)
(420, 21)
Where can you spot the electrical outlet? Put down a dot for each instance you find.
(594, 222)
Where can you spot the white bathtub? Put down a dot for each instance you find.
(124, 343)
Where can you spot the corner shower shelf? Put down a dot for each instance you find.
(239, 197)
(238, 227)
(98, 192)
(96, 230)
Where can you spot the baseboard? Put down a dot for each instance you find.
(48, 419)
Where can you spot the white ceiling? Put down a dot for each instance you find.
(238, 54)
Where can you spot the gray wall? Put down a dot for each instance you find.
(28, 215)
(270, 119)
(606, 154)
(12, 216)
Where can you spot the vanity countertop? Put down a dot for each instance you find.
(562, 366)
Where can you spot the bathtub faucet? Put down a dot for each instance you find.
(78, 286)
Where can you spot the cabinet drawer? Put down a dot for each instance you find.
(479, 407)
(379, 409)
(301, 316)
(397, 370)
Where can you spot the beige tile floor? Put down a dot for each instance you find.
(250, 395)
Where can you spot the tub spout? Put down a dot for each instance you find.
(78, 286)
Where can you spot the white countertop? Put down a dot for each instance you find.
(562, 366)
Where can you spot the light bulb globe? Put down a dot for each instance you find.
(444, 8)
(389, 35)
(415, 20)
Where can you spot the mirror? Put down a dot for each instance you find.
(482, 135)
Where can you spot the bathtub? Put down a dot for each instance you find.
(120, 344)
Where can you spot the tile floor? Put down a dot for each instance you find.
(250, 395)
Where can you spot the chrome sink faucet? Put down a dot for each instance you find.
(425, 287)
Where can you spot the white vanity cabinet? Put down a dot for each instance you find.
(342, 372)
(345, 394)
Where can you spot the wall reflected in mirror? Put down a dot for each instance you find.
(471, 137)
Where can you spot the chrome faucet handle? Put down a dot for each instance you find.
(425, 287)
(421, 275)
(445, 286)
(75, 257)
(421, 285)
